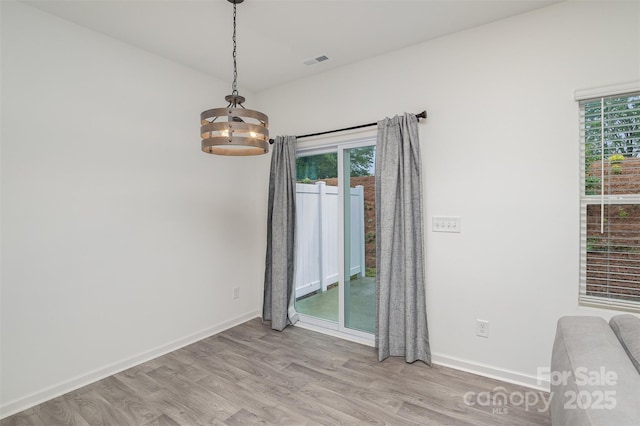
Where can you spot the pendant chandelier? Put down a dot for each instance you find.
(234, 130)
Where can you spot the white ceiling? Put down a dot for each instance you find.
(275, 37)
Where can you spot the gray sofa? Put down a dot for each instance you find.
(595, 371)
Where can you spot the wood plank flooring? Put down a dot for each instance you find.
(252, 375)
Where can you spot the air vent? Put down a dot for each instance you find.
(316, 60)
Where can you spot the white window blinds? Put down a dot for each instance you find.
(610, 201)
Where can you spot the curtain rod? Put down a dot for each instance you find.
(420, 115)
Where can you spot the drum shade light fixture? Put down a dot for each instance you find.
(234, 130)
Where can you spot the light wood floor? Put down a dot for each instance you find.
(253, 375)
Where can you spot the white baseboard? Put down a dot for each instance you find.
(54, 391)
(492, 372)
(502, 374)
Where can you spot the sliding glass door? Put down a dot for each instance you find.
(336, 259)
(359, 239)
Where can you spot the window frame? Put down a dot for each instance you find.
(582, 97)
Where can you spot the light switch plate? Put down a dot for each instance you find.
(446, 224)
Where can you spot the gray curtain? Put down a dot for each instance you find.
(401, 324)
(281, 226)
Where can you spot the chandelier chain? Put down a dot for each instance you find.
(234, 88)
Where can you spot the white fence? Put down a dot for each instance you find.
(317, 217)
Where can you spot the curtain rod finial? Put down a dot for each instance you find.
(423, 114)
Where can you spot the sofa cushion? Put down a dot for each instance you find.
(593, 381)
(627, 330)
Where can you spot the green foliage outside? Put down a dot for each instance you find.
(622, 213)
(594, 244)
(312, 168)
(621, 134)
(362, 161)
(325, 166)
(592, 185)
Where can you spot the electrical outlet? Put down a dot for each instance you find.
(482, 328)
(236, 292)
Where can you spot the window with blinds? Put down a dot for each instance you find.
(610, 201)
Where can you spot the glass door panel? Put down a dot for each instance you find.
(359, 239)
(317, 264)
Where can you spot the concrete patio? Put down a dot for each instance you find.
(324, 305)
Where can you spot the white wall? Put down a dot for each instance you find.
(120, 238)
(500, 149)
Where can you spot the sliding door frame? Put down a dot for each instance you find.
(319, 324)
